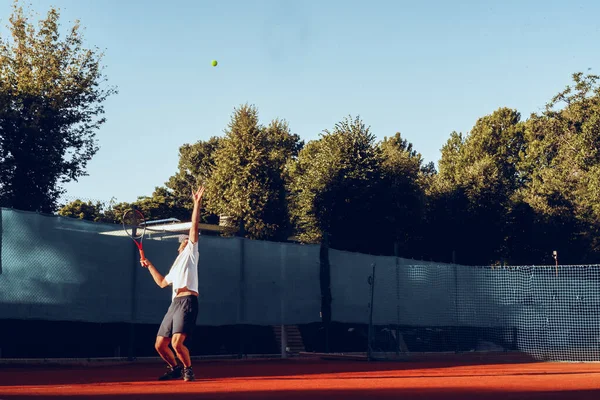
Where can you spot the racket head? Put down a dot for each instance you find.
(134, 224)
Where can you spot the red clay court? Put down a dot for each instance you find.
(463, 377)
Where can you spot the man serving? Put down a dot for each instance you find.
(180, 319)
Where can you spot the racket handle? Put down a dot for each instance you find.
(142, 256)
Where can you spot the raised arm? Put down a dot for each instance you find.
(158, 278)
(197, 196)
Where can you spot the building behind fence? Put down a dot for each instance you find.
(73, 288)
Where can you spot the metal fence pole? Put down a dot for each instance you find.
(131, 347)
(242, 294)
(1, 240)
(456, 305)
(282, 292)
(399, 338)
(371, 328)
(325, 282)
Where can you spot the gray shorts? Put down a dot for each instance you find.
(180, 317)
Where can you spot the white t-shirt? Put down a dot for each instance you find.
(184, 271)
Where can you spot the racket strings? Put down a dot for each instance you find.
(134, 224)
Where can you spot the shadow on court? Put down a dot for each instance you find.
(38, 375)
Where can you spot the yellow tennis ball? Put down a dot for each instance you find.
(214, 63)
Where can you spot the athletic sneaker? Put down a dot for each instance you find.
(188, 374)
(173, 373)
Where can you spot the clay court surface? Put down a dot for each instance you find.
(312, 378)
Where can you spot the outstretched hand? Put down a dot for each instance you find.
(198, 194)
(145, 262)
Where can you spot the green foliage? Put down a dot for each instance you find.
(509, 191)
(471, 196)
(162, 204)
(247, 183)
(449, 164)
(487, 158)
(96, 212)
(50, 108)
(83, 210)
(562, 166)
(514, 191)
(563, 150)
(196, 163)
(114, 212)
(401, 198)
(334, 185)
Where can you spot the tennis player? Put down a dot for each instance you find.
(180, 319)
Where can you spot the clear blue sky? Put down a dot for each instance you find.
(424, 68)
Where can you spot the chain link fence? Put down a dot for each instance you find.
(73, 288)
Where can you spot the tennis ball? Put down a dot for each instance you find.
(214, 63)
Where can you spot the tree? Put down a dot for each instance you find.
(334, 183)
(474, 189)
(449, 164)
(113, 213)
(51, 99)
(83, 210)
(163, 204)
(196, 163)
(247, 181)
(562, 167)
(402, 196)
(97, 212)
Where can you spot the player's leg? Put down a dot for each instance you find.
(182, 351)
(184, 322)
(162, 347)
(163, 339)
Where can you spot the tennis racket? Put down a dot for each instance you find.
(134, 225)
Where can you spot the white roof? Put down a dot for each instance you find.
(179, 228)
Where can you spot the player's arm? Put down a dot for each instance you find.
(158, 278)
(196, 214)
